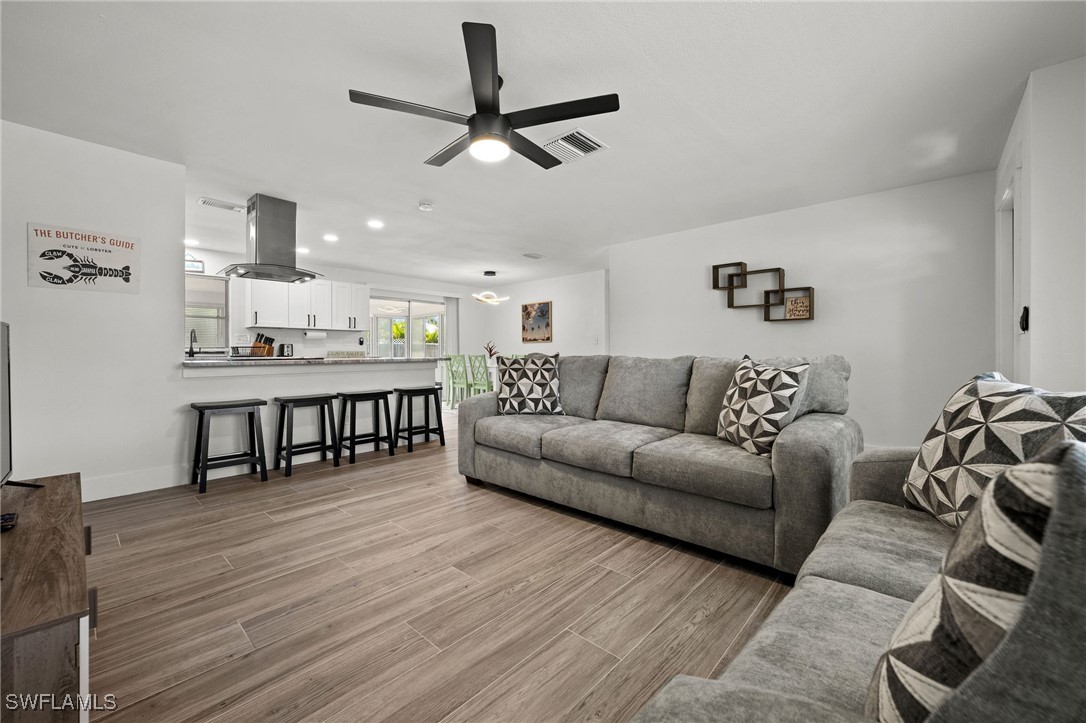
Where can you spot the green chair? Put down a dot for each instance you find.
(480, 375)
(457, 370)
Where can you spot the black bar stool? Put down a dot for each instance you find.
(326, 422)
(429, 393)
(347, 404)
(254, 456)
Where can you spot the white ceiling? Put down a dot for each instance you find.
(728, 110)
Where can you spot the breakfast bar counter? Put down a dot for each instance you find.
(294, 361)
(260, 366)
(218, 379)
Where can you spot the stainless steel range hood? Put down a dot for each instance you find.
(271, 225)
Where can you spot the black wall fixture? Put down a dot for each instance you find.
(778, 301)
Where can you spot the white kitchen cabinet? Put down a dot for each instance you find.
(360, 306)
(309, 305)
(342, 310)
(350, 306)
(265, 303)
(321, 303)
(298, 306)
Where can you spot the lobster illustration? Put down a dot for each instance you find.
(81, 269)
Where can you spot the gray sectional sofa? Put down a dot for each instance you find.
(813, 659)
(637, 444)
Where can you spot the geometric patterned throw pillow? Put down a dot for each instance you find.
(528, 385)
(761, 401)
(988, 425)
(973, 602)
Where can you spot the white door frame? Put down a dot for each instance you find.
(1012, 273)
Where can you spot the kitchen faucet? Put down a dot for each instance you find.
(192, 341)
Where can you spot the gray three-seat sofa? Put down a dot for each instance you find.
(638, 444)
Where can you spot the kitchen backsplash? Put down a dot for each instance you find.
(342, 344)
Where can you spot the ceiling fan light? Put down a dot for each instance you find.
(489, 148)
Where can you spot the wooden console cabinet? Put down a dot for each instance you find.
(45, 609)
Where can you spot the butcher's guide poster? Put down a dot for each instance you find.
(70, 258)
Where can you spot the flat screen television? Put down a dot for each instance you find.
(5, 403)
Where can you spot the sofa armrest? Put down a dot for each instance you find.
(468, 412)
(811, 461)
(879, 475)
(696, 700)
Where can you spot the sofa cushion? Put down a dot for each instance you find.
(827, 382)
(706, 466)
(880, 547)
(582, 379)
(760, 402)
(646, 391)
(528, 385)
(603, 446)
(521, 433)
(821, 642)
(966, 611)
(986, 426)
(709, 380)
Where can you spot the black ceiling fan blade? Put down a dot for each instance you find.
(450, 151)
(563, 111)
(531, 151)
(379, 101)
(482, 47)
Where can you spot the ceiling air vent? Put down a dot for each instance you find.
(224, 205)
(573, 146)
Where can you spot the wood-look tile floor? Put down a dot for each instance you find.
(391, 589)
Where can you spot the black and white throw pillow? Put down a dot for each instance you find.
(974, 601)
(986, 426)
(528, 385)
(760, 402)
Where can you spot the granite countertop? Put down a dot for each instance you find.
(295, 361)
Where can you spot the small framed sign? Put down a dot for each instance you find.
(193, 264)
(84, 260)
(797, 307)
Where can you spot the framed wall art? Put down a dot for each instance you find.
(536, 322)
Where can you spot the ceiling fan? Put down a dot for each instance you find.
(491, 133)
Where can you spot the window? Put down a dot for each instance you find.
(205, 310)
(406, 329)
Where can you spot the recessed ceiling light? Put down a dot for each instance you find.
(426, 206)
(375, 223)
(302, 251)
(331, 237)
(191, 242)
(533, 255)
(490, 273)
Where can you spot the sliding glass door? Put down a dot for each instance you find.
(407, 329)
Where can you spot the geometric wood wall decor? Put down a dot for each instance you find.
(798, 304)
(722, 272)
(774, 282)
(778, 302)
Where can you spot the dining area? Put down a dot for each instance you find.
(469, 374)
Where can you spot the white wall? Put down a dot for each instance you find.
(96, 375)
(1058, 227)
(579, 316)
(904, 282)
